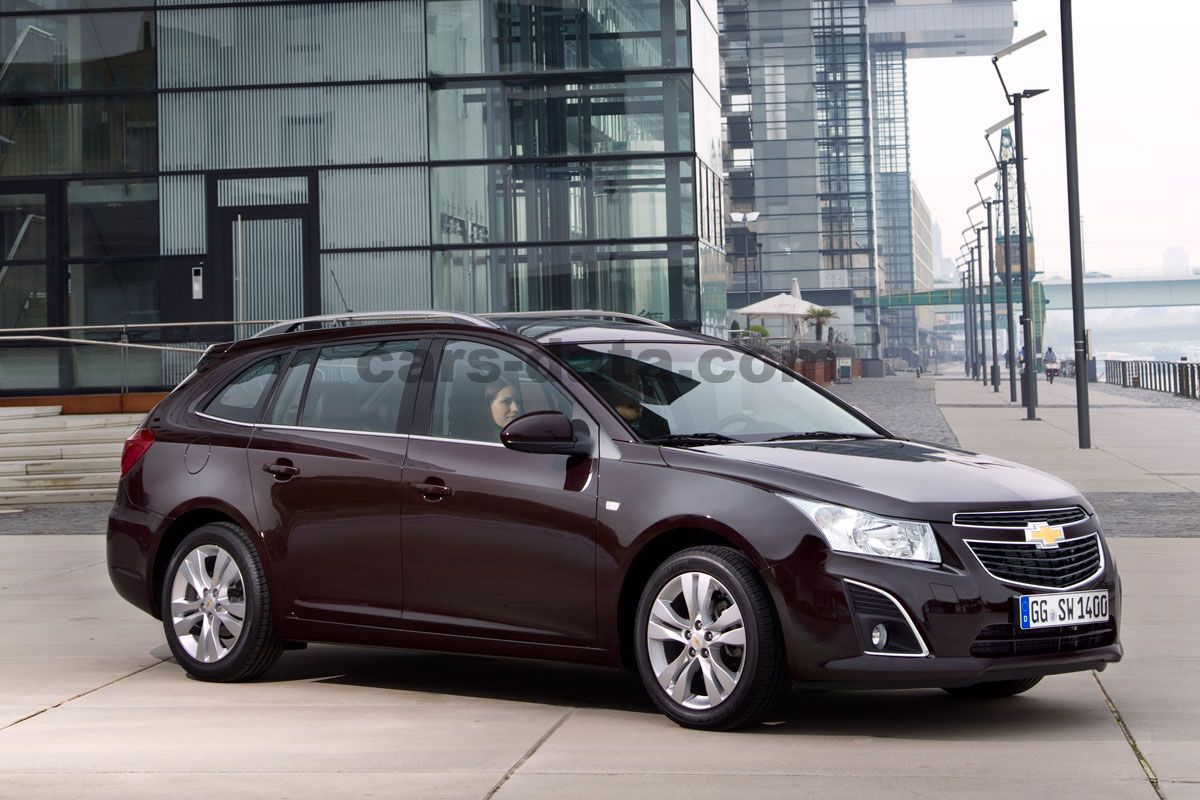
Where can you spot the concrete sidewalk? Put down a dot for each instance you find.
(1137, 446)
(90, 707)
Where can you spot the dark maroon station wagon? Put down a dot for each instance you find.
(592, 487)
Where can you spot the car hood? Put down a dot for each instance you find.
(893, 477)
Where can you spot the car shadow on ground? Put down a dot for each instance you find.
(909, 714)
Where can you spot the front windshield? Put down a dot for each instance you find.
(683, 389)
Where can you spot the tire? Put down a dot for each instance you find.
(721, 686)
(213, 647)
(992, 690)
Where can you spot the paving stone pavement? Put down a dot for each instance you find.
(903, 403)
(55, 519)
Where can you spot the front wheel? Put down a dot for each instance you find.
(994, 689)
(709, 647)
(216, 606)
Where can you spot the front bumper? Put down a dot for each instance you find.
(965, 617)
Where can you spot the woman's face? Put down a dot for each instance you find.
(505, 407)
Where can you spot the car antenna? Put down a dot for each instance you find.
(338, 286)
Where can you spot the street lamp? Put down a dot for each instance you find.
(987, 204)
(1015, 99)
(747, 218)
(977, 265)
(964, 273)
(976, 357)
(1002, 166)
(1078, 323)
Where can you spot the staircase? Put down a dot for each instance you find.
(46, 457)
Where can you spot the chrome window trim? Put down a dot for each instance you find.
(271, 426)
(912, 626)
(954, 518)
(1099, 570)
(424, 438)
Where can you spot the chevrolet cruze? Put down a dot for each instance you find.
(598, 488)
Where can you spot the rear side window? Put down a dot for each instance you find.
(359, 387)
(291, 391)
(243, 397)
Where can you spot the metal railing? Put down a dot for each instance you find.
(1180, 378)
(52, 359)
(25, 369)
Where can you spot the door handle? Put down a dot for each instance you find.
(433, 491)
(281, 470)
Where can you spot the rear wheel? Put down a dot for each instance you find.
(994, 689)
(709, 647)
(216, 607)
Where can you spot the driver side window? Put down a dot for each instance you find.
(481, 388)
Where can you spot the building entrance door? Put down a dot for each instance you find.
(272, 268)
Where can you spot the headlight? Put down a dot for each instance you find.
(852, 531)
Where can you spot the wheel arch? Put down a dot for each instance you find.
(188, 520)
(654, 548)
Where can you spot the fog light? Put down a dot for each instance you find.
(879, 637)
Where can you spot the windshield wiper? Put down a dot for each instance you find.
(796, 437)
(685, 439)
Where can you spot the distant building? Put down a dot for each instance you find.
(815, 101)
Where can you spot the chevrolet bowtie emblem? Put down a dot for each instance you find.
(1042, 534)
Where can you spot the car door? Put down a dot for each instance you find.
(497, 543)
(326, 469)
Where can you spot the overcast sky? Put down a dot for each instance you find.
(1136, 83)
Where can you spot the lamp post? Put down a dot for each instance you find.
(1015, 99)
(969, 264)
(747, 219)
(976, 261)
(987, 204)
(1078, 323)
(968, 340)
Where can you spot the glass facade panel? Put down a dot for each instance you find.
(71, 52)
(470, 37)
(108, 218)
(656, 280)
(30, 6)
(114, 293)
(289, 190)
(23, 296)
(182, 215)
(561, 201)
(374, 208)
(293, 127)
(22, 227)
(375, 281)
(514, 119)
(49, 136)
(317, 42)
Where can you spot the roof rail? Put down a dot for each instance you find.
(355, 316)
(583, 313)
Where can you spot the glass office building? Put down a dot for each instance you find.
(814, 98)
(184, 161)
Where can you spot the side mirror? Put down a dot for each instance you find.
(550, 432)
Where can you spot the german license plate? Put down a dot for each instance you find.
(1069, 608)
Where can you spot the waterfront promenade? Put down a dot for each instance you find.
(91, 706)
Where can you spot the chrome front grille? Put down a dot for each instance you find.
(1073, 563)
(1020, 519)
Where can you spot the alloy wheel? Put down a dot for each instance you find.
(696, 640)
(208, 603)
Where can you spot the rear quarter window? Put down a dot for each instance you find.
(242, 398)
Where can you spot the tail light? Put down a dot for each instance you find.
(135, 447)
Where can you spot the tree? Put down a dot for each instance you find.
(820, 317)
